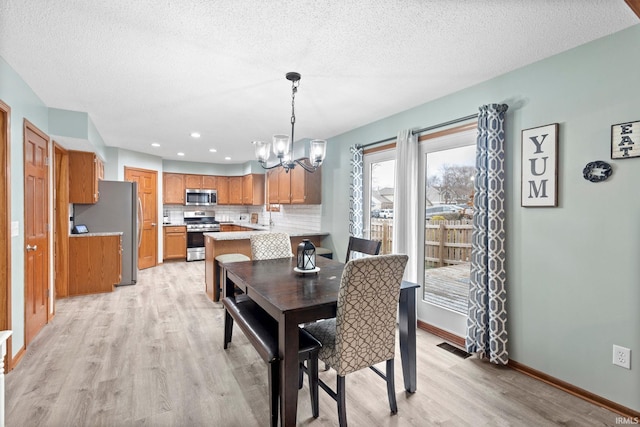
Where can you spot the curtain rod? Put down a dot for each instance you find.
(419, 131)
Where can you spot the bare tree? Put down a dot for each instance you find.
(454, 184)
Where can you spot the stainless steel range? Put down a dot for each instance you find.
(198, 223)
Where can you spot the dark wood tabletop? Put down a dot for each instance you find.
(293, 298)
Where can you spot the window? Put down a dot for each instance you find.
(379, 185)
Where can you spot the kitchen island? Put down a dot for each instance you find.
(237, 242)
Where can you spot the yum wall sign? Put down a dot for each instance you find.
(540, 166)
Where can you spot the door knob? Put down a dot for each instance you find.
(32, 248)
(153, 224)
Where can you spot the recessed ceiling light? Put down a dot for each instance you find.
(227, 158)
(181, 154)
(213, 150)
(155, 144)
(195, 135)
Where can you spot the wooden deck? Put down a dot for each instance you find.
(448, 286)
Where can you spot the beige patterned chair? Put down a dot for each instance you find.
(270, 246)
(363, 332)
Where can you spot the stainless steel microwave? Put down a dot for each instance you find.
(195, 197)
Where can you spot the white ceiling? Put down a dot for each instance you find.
(156, 70)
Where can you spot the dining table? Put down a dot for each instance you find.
(294, 298)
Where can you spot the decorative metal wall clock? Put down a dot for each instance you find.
(597, 171)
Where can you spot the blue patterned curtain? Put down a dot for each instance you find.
(486, 324)
(356, 200)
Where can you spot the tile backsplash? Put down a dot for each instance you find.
(303, 217)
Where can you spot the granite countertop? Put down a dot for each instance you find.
(260, 229)
(106, 233)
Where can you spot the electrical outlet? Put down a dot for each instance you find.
(621, 356)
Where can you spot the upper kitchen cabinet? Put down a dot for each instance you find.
(85, 169)
(279, 186)
(306, 188)
(200, 182)
(235, 190)
(295, 187)
(253, 189)
(223, 189)
(173, 189)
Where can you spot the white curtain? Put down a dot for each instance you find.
(405, 202)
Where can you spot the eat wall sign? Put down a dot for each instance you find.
(625, 140)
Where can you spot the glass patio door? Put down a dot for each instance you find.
(447, 169)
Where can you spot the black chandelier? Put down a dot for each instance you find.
(283, 144)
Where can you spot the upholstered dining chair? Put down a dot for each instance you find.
(356, 244)
(270, 246)
(363, 332)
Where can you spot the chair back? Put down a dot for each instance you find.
(270, 246)
(356, 244)
(367, 308)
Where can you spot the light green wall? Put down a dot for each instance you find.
(573, 271)
(24, 103)
(68, 123)
(211, 168)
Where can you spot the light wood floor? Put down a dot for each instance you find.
(151, 355)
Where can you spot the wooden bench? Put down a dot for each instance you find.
(262, 332)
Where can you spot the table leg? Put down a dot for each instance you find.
(407, 327)
(288, 343)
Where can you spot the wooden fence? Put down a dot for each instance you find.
(382, 230)
(446, 242)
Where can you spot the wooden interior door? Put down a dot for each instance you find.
(61, 220)
(148, 193)
(5, 229)
(36, 234)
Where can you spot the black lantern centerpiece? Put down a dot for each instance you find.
(306, 257)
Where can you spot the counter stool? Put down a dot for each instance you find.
(221, 278)
(327, 253)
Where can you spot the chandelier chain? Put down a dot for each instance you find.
(294, 90)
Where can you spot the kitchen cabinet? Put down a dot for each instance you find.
(200, 182)
(295, 187)
(279, 186)
(95, 263)
(235, 190)
(173, 189)
(85, 169)
(209, 182)
(253, 189)
(306, 187)
(223, 189)
(175, 242)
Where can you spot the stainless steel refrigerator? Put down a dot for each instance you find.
(117, 209)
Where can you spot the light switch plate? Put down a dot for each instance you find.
(15, 228)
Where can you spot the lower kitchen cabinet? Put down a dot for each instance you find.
(95, 263)
(175, 242)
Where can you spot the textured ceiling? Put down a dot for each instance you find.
(156, 70)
